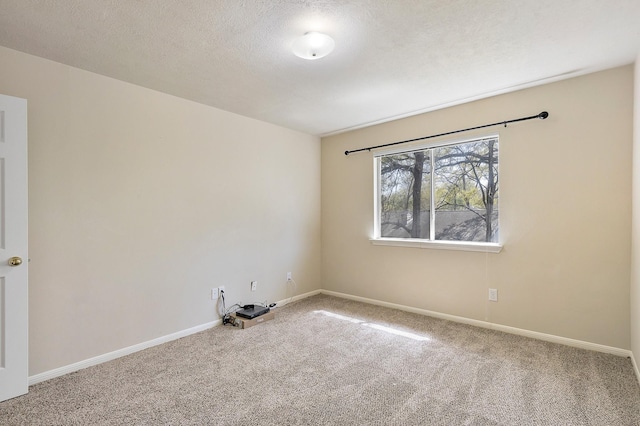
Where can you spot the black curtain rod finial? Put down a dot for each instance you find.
(543, 115)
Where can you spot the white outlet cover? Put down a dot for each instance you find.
(493, 294)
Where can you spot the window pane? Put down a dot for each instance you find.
(466, 191)
(405, 190)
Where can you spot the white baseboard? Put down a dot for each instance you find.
(119, 353)
(512, 330)
(160, 340)
(298, 297)
(140, 346)
(635, 367)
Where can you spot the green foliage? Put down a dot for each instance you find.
(465, 177)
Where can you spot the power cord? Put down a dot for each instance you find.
(226, 313)
(227, 318)
(295, 288)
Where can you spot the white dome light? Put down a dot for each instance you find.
(313, 45)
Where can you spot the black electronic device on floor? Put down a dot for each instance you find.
(252, 311)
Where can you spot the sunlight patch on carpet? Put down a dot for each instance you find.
(386, 329)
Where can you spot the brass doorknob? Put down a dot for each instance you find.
(15, 261)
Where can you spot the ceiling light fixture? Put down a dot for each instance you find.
(313, 45)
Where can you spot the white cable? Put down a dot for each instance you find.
(295, 288)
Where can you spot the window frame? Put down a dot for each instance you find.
(377, 239)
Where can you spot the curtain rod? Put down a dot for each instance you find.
(542, 116)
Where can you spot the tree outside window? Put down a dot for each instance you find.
(447, 192)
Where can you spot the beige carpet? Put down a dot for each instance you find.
(328, 361)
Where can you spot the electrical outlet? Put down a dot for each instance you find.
(289, 276)
(215, 293)
(493, 294)
(221, 290)
(254, 285)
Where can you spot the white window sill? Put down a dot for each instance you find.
(438, 245)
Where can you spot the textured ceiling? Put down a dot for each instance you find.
(392, 58)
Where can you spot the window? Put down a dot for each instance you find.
(447, 192)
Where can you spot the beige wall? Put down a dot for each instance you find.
(635, 253)
(565, 215)
(141, 202)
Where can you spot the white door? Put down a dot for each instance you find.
(14, 355)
